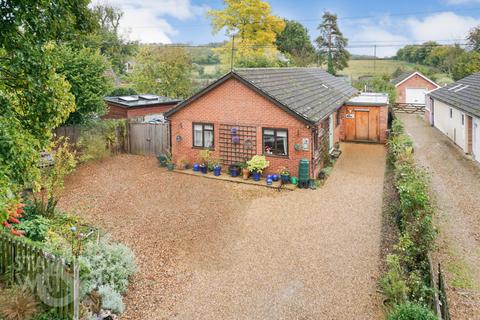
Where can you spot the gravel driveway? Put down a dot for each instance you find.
(211, 249)
(455, 186)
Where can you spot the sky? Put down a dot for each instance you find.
(388, 24)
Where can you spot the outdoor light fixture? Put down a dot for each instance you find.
(178, 138)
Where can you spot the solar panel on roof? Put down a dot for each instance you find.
(128, 98)
(149, 96)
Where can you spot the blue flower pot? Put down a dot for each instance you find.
(274, 177)
(196, 167)
(234, 171)
(217, 171)
(285, 178)
(256, 176)
(203, 169)
(269, 182)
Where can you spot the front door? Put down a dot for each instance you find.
(361, 125)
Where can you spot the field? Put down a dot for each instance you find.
(357, 68)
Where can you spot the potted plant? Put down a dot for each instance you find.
(169, 162)
(182, 163)
(284, 175)
(245, 171)
(162, 160)
(256, 165)
(234, 170)
(217, 170)
(204, 160)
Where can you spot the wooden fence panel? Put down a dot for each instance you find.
(149, 138)
(49, 278)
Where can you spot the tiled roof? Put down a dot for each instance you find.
(463, 94)
(141, 100)
(402, 77)
(309, 92)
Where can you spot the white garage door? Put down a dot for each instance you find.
(415, 95)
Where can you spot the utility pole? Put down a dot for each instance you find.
(233, 49)
(374, 59)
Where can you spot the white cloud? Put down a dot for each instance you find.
(454, 2)
(441, 26)
(146, 20)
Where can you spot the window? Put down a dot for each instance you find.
(463, 119)
(337, 117)
(203, 135)
(275, 142)
(451, 113)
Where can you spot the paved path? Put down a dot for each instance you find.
(455, 185)
(216, 250)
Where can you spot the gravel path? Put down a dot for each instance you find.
(455, 186)
(216, 250)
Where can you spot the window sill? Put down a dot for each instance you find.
(203, 148)
(276, 156)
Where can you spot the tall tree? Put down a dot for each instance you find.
(332, 44)
(108, 39)
(474, 38)
(295, 42)
(467, 64)
(163, 70)
(85, 70)
(34, 98)
(251, 28)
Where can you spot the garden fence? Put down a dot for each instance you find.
(408, 108)
(50, 278)
(149, 138)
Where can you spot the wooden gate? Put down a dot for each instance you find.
(362, 124)
(408, 108)
(149, 138)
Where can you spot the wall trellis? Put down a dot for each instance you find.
(237, 143)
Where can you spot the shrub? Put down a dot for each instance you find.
(411, 311)
(35, 228)
(50, 315)
(17, 304)
(392, 283)
(106, 263)
(111, 299)
(93, 146)
(257, 164)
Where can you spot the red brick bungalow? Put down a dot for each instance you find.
(139, 107)
(285, 114)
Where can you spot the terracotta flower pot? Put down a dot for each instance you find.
(245, 173)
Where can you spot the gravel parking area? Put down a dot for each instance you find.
(455, 184)
(211, 249)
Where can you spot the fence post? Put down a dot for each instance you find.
(76, 290)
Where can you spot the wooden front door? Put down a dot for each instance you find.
(361, 125)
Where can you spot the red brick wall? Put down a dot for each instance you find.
(117, 112)
(414, 82)
(234, 103)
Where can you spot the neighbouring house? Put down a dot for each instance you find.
(143, 107)
(285, 114)
(411, 87)
(455, 111)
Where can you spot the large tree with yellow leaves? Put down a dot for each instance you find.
(252, 28)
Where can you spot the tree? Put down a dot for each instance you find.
(332, 44)
(164, 71)
(122, 91)
(295, 41)
(468, 63)
(106, 37)
(85, 70)
(473, 39)
(251, 28)
(34, 99)
(444, 57)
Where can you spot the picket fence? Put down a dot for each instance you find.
(50, 278)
